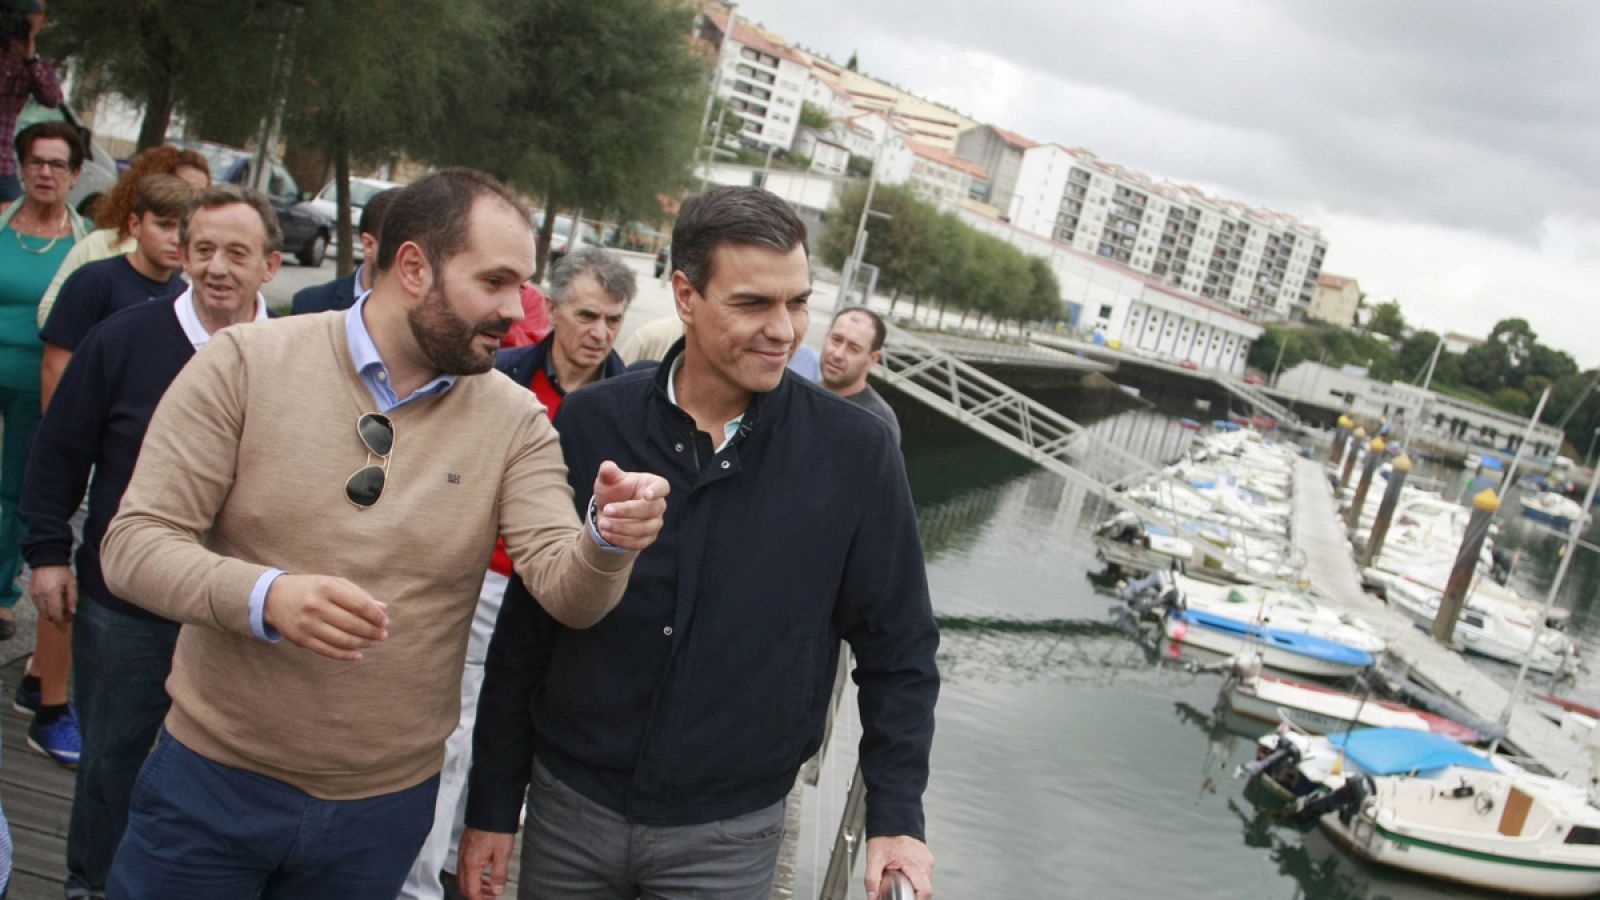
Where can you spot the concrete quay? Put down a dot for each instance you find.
(1332, 573)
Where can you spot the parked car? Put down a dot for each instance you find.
(561, 236)
(361, 190)
(306, 231)
(99, 172)
(1252, 378)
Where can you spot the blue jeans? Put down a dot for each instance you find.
(206, 831)
(120, 664)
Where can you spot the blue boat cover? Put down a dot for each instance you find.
(1396, 751)
(1277, 638)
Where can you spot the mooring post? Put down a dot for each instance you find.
(1398, 470)
(1341, 435)
(1369, 466)
(1351, 447)
(1484, 506)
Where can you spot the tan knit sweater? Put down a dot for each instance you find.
(244, 468)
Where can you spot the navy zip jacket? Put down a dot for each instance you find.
(701, 694)
(96, 421)
(521, 362)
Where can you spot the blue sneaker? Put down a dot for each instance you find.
(59, 740)
(25, 701)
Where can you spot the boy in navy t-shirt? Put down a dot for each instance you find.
(98, 289)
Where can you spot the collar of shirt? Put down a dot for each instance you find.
(369, 364)
(355, 280)
(190, 320)
(728, 430)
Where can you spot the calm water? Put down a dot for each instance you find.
(1069, 760)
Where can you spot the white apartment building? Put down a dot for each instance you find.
(1260, 263)
(763, 82)
(1146, 317)
(827, 95)
(934, 174)
(1335, 301)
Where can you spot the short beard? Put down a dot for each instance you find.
(446, 339)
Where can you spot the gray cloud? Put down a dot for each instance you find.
(1470, 114)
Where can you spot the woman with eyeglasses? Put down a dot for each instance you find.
(36, 231)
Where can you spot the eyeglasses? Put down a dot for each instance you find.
(366, 485)
(58, 165)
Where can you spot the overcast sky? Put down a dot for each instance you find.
(1449, 151)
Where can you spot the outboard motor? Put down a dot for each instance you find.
(1346, 800)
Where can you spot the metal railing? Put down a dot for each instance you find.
(1027, 427)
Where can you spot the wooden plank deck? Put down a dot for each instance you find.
(1331, 569)
(37, 795)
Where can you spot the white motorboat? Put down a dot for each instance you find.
(1489, 625)
(1423, 803)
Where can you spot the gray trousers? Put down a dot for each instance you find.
(575, 848)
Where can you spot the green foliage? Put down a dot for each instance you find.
(1387, 319)
(932, 255)
(814, 116)
(859, 166)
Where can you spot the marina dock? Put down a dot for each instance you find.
(1331, 569)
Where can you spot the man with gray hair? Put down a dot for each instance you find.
(590, 290)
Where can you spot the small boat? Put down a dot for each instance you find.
(1188, 424)
(1550, 508)
(1318, 709)
(1488, 626)
(1288, 651)
(1426, 804)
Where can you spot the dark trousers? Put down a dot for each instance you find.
(120, 664)
(576, 849)
(20, 411)
(199, 830)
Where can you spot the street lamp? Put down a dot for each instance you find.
(1589, 454)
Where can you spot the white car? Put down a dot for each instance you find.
(361, 190)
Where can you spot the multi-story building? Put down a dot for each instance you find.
(999, 152)
(1335, 301)
(828, 154)
(1263, 264)
(931, 173)
(763, 81)
(1143, 315)
(928, 122)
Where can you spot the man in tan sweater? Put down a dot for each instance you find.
(316, 501)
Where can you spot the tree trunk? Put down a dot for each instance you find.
(547, 229)
(157, 116)
(343, 228)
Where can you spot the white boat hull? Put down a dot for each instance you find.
(1528, 877)
(1272, 657)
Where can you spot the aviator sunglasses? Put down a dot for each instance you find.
(366, 485)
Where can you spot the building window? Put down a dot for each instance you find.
(1105, 311)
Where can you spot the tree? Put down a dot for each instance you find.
(206, 58)
(814, 116)
(1388, 320)
(853, 62)
(347, 82)
(592, 106)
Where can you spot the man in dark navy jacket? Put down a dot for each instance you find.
(342, 293)
(121, 654)
(661, 743)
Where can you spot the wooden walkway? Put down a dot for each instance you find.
(1331, 569)
(37, 795)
